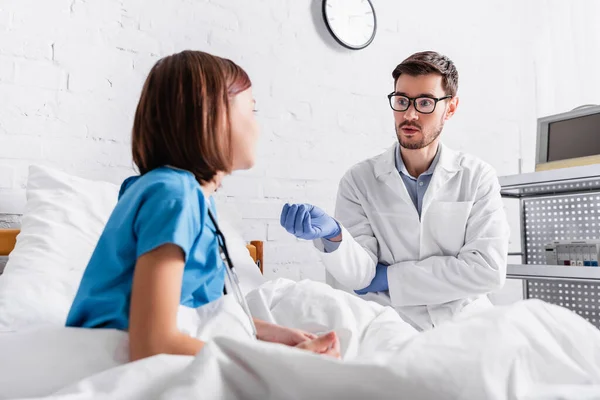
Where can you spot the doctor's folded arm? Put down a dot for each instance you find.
(421, 227)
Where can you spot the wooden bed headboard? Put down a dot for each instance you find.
(8, 239)
(255, 248)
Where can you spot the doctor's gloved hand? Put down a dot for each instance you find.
(308, 222)
(379, 282)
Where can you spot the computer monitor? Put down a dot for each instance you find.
(569, 139)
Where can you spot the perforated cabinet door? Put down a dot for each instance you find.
(564, 217)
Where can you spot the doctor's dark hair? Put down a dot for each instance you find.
(430, 62)
(182, 118)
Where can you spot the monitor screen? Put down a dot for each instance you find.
(574, 138)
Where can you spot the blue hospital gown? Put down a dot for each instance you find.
(165, 205)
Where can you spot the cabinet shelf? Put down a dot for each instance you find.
(528, 271)
(561, 181)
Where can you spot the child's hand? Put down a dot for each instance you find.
(280, 334)
(327, 344)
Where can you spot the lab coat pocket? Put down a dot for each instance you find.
(446, 224)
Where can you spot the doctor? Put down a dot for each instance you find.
(420, 227)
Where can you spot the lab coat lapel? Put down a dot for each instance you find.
(385, 170)
(447, 167)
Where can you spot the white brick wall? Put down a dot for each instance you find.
(71, 72)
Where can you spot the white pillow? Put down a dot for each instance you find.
(63, 220)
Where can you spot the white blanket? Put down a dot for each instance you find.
(530, 350)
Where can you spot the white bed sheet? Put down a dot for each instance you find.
(530, 350)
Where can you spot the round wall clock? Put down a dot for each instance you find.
(352, 23)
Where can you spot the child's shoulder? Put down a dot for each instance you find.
(165, 183)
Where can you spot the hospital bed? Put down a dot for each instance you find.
(535, 349)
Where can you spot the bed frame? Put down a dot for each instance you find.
(8, 239)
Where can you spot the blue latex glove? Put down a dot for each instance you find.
(379, 282)
(308, 222)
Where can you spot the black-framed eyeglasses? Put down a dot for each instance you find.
(423, 104)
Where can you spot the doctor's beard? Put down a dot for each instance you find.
(427, 136)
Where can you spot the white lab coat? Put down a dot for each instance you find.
(439, 266)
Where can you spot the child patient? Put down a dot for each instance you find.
(194, 124)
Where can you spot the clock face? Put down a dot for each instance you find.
(351, 22)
